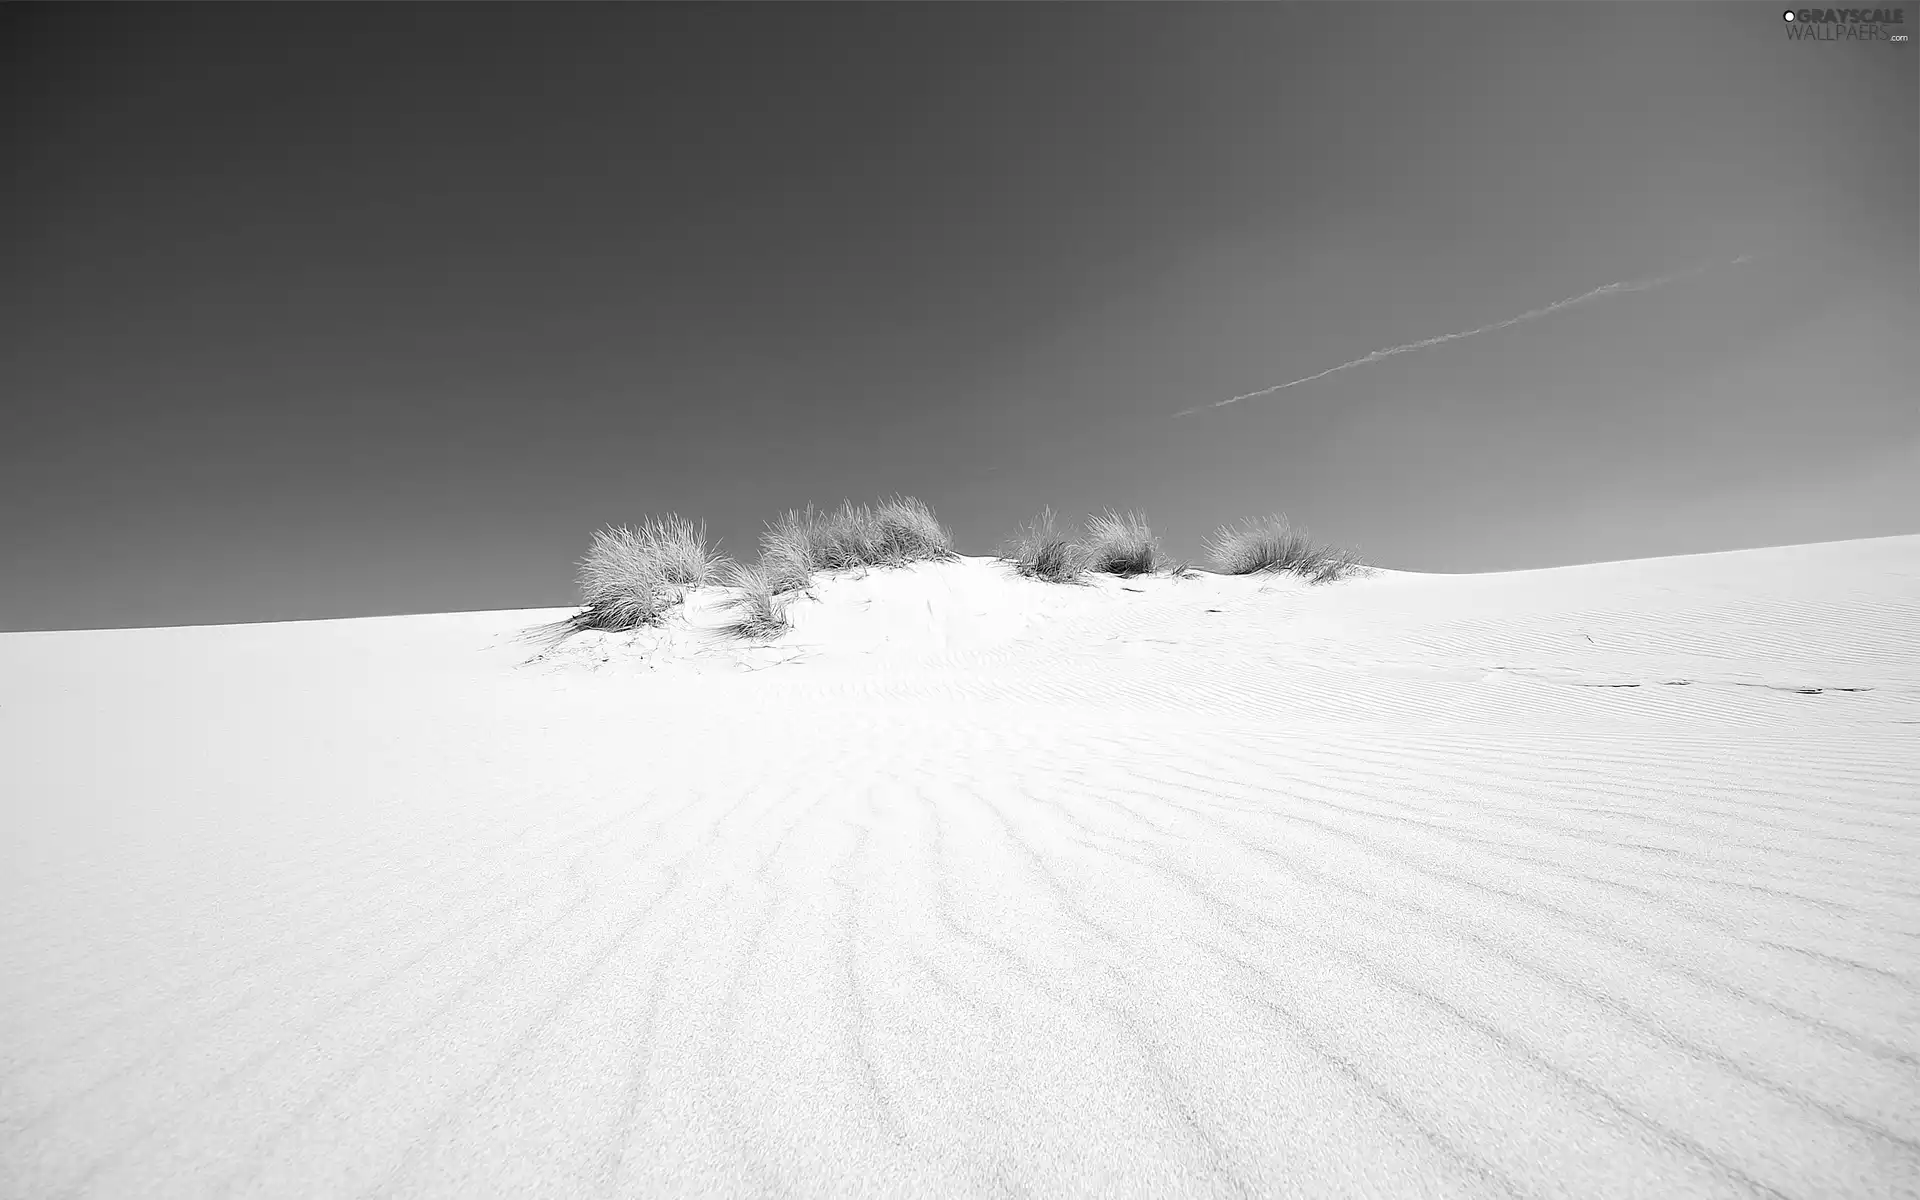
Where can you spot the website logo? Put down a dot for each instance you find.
(1845, 24)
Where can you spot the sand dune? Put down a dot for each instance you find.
(1596, 881)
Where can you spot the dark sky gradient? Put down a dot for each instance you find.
(312, 311)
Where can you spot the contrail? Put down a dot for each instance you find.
(1611, 289)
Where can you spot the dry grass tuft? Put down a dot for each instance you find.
(785, 571)
(760, 611)
(787, 549)
(1273, 546)
(893, 533)
(624, 582)
(1042, 550)
(906, 531)
(679, 549)
(1121, 544)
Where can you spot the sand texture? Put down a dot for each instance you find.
(1600, 881)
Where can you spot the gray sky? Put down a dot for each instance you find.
(347, 310)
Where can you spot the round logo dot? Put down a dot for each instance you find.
(1787, 15)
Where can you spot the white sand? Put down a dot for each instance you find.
(1552, 883)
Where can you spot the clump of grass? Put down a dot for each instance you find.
(906, 531)
(786, 571)
(679, 548)
(844, 538)
(1180, 568)
(787, 549)
(760, 611)
(630, 577)
(1042, 550)
(1121, 544)
(895, 532)
(623, 583)
(1273, 546)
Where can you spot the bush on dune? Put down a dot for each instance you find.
(787, 551)
(680, 549)
(786, 570)
(892, 533)
(760, 612)
(621, 584)
(906, 531)
(1042, 550)
(842, 539)
(631, 577)
(1273, 546)
(1121, 544)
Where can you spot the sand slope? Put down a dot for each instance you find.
(1598, 881)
